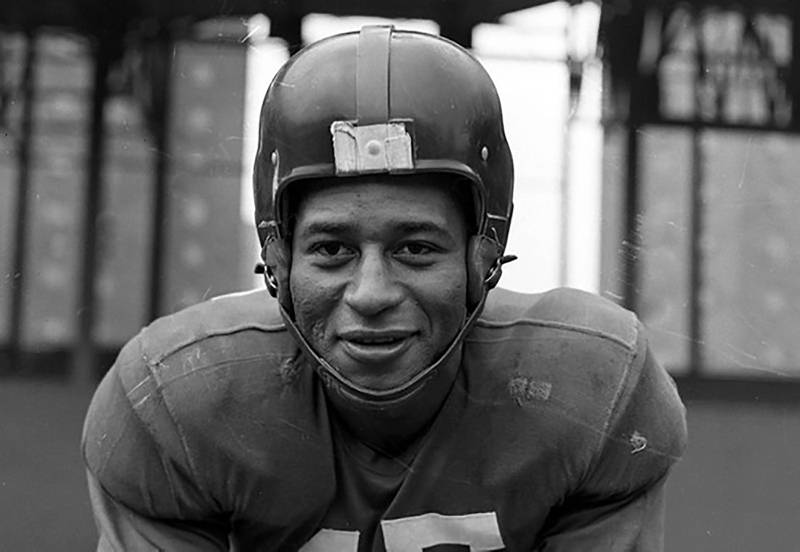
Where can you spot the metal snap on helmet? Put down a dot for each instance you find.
(383, 101)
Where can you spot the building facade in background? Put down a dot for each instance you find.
(205, 250)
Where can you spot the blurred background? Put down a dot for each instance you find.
(656, 155)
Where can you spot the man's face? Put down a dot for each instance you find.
(378, 275)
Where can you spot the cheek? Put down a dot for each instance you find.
(313, 304)
(456, 286)
(447, 302)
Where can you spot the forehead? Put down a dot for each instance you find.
(382, 199)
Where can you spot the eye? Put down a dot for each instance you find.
(329, 249)
(416, 253)
(331, 253)
(415, 248)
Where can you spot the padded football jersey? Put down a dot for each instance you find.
(212, 432)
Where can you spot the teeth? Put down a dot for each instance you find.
(378, 340)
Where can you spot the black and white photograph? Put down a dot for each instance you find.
(400, 276)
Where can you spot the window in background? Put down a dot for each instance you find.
(718, 268)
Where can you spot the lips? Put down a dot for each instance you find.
(370, 346)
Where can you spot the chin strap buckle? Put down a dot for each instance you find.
(269, 256)
(269, 278)
(493, 276)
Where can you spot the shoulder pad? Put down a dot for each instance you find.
(562, 307)
(221, 315)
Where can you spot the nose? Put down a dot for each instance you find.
(373, 289)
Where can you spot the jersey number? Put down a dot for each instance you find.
(480, 532)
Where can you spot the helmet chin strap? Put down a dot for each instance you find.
(389, 419)
(484, 265)
(378, 399)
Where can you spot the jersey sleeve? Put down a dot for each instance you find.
(143, 491)
(619, 504)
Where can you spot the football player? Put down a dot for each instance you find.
(384, 400)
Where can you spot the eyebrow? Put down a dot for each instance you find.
(343, 227)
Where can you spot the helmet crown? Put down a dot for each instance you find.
(383, 101)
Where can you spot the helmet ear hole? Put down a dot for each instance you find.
(271, 281)
(276, 271)
(483, 254)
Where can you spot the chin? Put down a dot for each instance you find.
(382, 381)
(381, 377)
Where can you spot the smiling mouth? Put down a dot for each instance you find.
(375, 347)
(377, 341)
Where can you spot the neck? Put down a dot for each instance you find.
(387, 420)
(391, 420)
(393, 427)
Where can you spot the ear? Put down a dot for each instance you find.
(483, 268)
(276, 257)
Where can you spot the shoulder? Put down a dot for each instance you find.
(580, 346)
(225, 330)
(199, 355)
(561, 309)
(167, 399)
(564, 334)
(184, 365)
(581, 366)
(227, 315)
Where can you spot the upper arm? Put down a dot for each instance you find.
(144, 493)
(619, 504)
(122, 528)
(633, 523)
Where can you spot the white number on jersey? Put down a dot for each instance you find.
(329, 540)
(413, 534)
